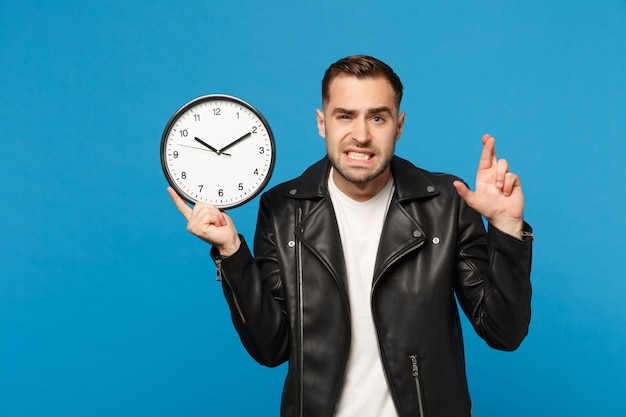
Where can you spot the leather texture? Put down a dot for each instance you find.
(289, 302)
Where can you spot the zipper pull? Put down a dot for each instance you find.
(219, 272)
(415, 368)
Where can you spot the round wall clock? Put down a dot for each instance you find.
(218, 149)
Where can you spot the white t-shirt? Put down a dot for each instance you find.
(365, 392)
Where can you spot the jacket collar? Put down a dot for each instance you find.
(410, 182)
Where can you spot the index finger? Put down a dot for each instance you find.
(488, 155)
(180, 203)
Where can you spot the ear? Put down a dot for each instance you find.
(400, 125)
(321, 127)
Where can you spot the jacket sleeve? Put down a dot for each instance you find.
(253, 290)
(494, 286)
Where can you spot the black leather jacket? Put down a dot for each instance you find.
(289, 302)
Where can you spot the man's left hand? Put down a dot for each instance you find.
(498, 194)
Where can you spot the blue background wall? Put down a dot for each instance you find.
(108, 307)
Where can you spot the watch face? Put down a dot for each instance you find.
(217, 149)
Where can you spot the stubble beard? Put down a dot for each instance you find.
(356, 175)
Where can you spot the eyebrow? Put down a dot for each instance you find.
(376, 110)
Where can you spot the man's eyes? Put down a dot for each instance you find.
(376, 119)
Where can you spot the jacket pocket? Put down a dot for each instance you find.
(415, 372)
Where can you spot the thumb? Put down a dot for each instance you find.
(463, 191)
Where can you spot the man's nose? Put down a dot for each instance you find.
(361, 131)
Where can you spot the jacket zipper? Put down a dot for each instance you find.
(414, 364)
(222, 277)
(418, 385)
(300, 319)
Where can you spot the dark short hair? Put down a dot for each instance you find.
(361, 66)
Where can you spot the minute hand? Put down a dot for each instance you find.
(233, 143)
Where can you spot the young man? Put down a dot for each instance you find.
(358, 261)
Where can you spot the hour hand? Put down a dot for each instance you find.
(200, 141)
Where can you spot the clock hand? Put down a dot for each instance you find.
(206, 144)
(210, 148)
(234, 142)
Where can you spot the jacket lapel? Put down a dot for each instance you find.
(401, 234)
(319, 233)
(318, 229)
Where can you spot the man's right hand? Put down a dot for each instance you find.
(209, 224)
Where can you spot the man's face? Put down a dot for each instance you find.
(361, 124)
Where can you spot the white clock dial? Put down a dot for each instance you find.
(219, 150)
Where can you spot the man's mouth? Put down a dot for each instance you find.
(360, 156)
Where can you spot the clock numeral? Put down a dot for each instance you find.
(240, 187)
(261, 150)
(175, 154)
(200, 187)
(196, 117)
(183, 175)
(237, 115)
(217, 111)
(184, 133)
(220, 192)
(254, 129)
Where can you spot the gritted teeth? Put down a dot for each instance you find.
(359, 155)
